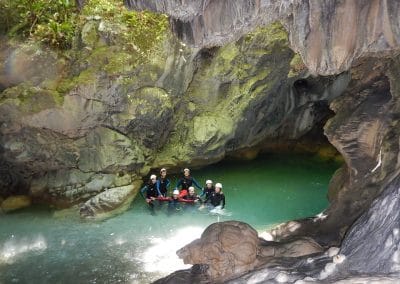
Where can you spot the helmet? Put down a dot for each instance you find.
(163, 170)
(186, 170)
(175, 192)
(153, 177)
(218, 185)
(208, 181)
(191, 189)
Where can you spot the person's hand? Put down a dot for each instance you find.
(152, 198)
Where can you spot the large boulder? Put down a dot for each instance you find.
(109, 202)
(227, 248)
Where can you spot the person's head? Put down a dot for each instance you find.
(153, 178)
(163, 172)
(186, 172)
(218, 187)
(191, 190)
(209, 183)
(175, 193)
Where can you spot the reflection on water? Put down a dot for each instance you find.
(12, 248)
(137, 247)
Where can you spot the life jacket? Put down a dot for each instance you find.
(183, 193)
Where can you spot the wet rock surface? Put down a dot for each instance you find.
(15, 202)
(186, 106)
(109, 202)
(230, 249)
(329, 35)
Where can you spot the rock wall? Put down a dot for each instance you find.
(361, 37)
(329, 35)
(102, 120)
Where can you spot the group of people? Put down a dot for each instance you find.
(184, 191)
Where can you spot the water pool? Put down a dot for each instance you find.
(38, 245)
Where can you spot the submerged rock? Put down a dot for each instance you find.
(15, 202)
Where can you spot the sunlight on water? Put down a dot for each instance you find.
(12, 248)
(38, 246)
(161, 256)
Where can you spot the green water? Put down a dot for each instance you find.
(136, 247)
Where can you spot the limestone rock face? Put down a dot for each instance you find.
(378, 226)
(109, 118)
(228, 248)
(329, 35)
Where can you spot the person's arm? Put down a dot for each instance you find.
(158, 187)
(223, 201)
(142, 190)
(167, 183)
(203, 192)
(186, 200)
(178, 184)
(196, 183)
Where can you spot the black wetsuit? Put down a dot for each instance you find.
(162, 186)
(174, 204)
(151, 190)
(186, 182)
(216, 199)
(207, 191)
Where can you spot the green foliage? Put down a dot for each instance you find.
(55, 22)
(49, 21)
(138, 31)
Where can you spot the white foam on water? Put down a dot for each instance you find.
(12, 249)
(161, 255)
(219, 211)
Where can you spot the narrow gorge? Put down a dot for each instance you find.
(210, 81)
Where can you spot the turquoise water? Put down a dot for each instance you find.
(38, 245)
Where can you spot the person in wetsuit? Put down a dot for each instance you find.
(149, 192)
(174, 201)
(208, 189)
(217, 198)
(185, 182)
(191, 196)
(163, 183)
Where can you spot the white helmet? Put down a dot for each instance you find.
(186, 170)
(153, 177)
(175, 192)
(218, 185)
(208, 181)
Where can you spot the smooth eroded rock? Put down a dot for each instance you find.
(228, 248)
(16, 202)
(109, 202)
